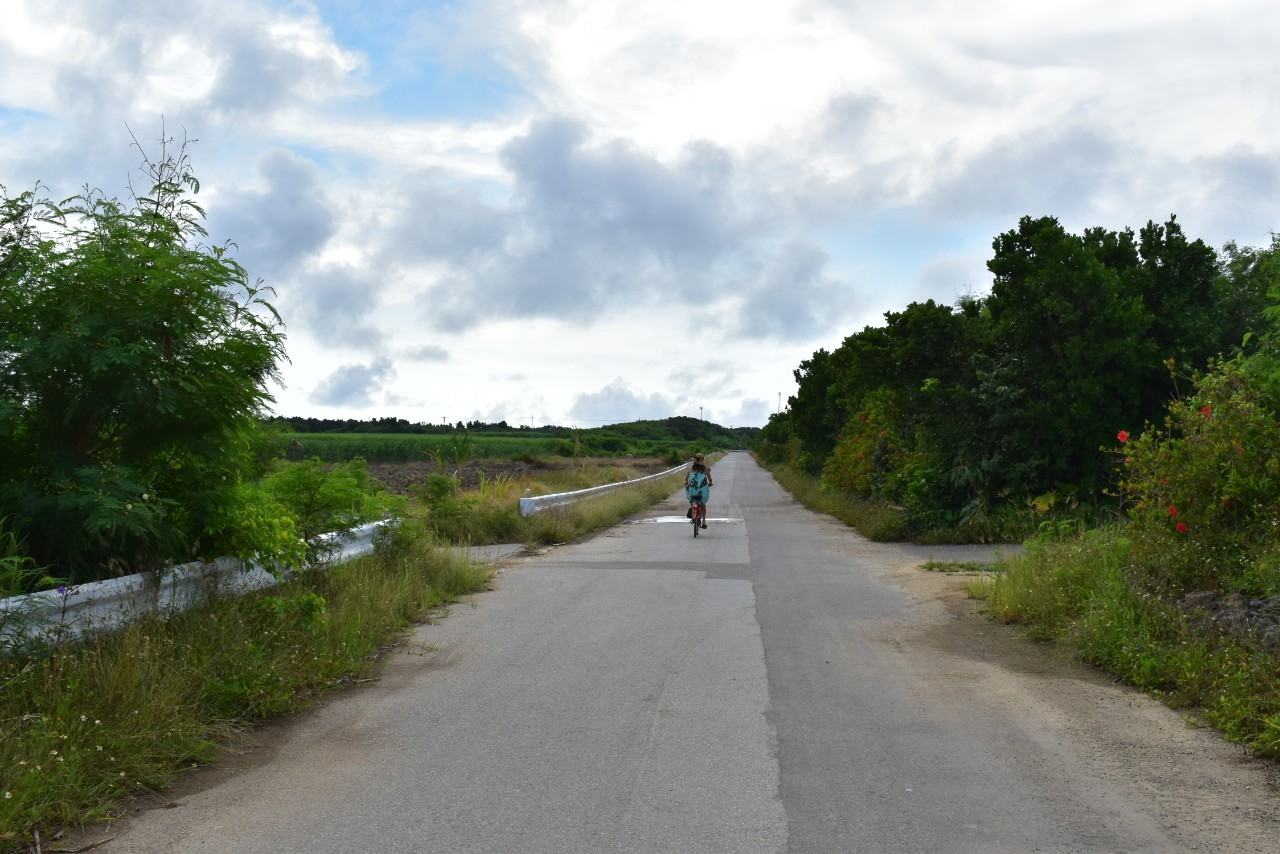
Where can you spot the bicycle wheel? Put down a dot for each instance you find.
(697, 518)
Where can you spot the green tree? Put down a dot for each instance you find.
(133, 371)
(1178, 288)
(1241, 292)
(775, 442)
(816, 417)
(1071, 354)
(910, 382)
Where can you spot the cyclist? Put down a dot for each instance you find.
(698, 483)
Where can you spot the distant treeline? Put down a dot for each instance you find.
(389, 425)
(675, 430)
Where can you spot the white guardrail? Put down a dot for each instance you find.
(72, 612)
(538, 503)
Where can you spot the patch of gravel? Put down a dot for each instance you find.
(1205, 793)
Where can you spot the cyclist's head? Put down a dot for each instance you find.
(697, 458)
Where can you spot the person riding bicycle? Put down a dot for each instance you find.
(697, 483)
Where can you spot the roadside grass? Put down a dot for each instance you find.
(1084, 592)
(563, 524)
(874, 520)
(490, 513)
(90, 724)
(883, 522)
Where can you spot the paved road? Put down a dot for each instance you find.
(774, 685)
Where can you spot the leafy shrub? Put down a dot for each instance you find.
(1204, 492)
(329, 499)
(866, 452)
(135, 367)
(18, 572)
(249, 523)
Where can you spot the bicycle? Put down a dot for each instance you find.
(698, 515)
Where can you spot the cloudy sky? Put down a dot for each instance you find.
(588, 211)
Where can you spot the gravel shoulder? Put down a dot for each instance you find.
(1196, 785)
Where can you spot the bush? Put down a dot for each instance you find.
(329, 499)
(866, 453)
(135, 367)
(1204, 492)
(249, 523)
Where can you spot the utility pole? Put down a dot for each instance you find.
(699, 413)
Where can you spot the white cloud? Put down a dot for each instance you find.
(487, 207)
(354, 386)
(427, 353)
(795, 298)
(617, 401)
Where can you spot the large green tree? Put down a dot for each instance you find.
(816, 415)
(134, 366)
(1071, 352)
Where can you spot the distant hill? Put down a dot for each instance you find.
(681, 428)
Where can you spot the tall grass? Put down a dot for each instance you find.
(490, 513)
(89, 724)
(562, 524)
(874, 520)
(1084, 592)
(878, 520)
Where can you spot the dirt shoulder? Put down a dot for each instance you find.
(1200, 788)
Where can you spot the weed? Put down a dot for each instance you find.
(874, 520)
(1088, 592)
(91, 723)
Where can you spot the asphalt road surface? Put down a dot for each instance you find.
(777, 684)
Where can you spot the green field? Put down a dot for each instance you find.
(401, 448)
(675, 438)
